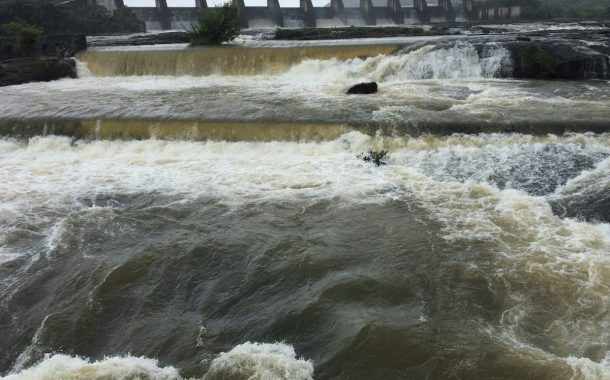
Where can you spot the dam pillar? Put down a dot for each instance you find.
(447, 9)
(515, 12)
(368, 12)
(276, 12)
(241, 12)
(470, 9)
(164, 16)
(339, 10)
(309, 15)
(201, 4)
(396, 12)
(421, 8)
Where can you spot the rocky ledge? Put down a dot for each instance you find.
(35, 69)
(159, 38)
(351, 32)
(560, 59)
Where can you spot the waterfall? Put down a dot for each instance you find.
(222, 60)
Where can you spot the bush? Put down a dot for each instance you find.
(216, 25)
(26, 37)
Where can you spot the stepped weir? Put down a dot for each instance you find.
(338, 13)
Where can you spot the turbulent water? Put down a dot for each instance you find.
(222, 226)
(448, 88)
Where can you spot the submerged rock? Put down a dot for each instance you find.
(35, 69)
(363, 88)
(377, 158)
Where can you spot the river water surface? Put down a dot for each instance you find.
(180, 214)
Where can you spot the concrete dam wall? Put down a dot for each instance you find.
(338, 13)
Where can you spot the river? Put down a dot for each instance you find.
(186, 213)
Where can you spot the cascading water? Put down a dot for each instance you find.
(428, 62)
(436, 88)
(461, 61)
(205, 214)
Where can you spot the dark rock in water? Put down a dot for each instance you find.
(523, 38)
(378, 158)
(35, 69)
(363, 88)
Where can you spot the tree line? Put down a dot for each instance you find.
(77, 17)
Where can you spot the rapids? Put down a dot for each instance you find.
(177, 214)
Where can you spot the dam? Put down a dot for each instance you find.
(337, 13)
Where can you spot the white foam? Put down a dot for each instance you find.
(586, 369)
(260, 361)
(64, 367)
(254, 361)
(82, 69)
(460, 61)
(52, 170)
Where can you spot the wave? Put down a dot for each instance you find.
(587, 195)
(72, 171)
(587, 369)
(60, 366)
(262, 361)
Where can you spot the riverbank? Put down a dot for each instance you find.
(35, 69)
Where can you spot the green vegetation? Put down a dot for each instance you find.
(536, 63)
(216, 25)
(26, 37)
(76, 17)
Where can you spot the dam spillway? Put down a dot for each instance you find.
(225, 60)
(170, 216)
